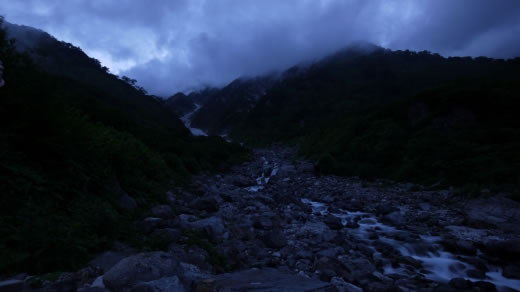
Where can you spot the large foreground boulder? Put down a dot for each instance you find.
(143, 267)
(265, 280)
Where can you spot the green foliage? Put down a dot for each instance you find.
(68, 141)
(398, 114)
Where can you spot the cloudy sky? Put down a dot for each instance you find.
(172, 45)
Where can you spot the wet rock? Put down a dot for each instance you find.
(275, 239)
(477, 274)
(169, 284)
(162, 211)
(142, 267)
(207, 203)
(511, 271)
(507, 249)
(408, 260)
(11, 286)
(333, 222)
(460, 246)
(394, 218)
(484, 286)
(460, 283)
(385, 209)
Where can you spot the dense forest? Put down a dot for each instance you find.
(376, 113)
(74, 140)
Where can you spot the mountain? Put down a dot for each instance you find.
(76, 143)
(229, 105)
(181, 104)
(372, 112)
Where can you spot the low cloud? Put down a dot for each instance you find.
(172, 45)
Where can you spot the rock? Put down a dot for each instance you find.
(333, 222)
(484, 286)
(162, 211)
(93, 289)
(11, 286)
(460, 283)
(267, 280)
(127, 202)
(460, 246)
(207, 203)
(385, 209)
(148, 224)
(343, 286)
(170, 197)
(408, 260)
(275, 239)
(330, 252)
(98, 283)
(506, 249)
(263, 223)
(477, 274)
(110, 258)
(394, 218)
(205, 285)
(212, 226)
(143, 267)
(168, 234)
(511, 271)
(327, 274)
(168, 284)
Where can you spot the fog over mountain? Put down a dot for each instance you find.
(171, 45)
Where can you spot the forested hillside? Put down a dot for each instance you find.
(412, 116)
(74, 140)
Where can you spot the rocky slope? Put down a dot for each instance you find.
(272, 225)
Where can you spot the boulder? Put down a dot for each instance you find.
(11, 286)
(333, 222)
(143, 267)
(511, 271)
(343, 286)
(168, 284)
(162, 211)
(212, 226)
(148, 224)
(484, 286)
(275, 239)
(394, 218)
(206, 203)
(266, 280)
(263, 223)
(169, 234)
(476, 274)
(460, 283)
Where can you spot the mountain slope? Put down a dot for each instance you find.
(75, 140)
(397, 114)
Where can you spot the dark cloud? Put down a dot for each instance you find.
(170, 45)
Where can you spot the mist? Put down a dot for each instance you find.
(181, 45)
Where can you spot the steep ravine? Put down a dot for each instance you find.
(273, 225)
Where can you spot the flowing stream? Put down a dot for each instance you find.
(437, 263)
(186, 119)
